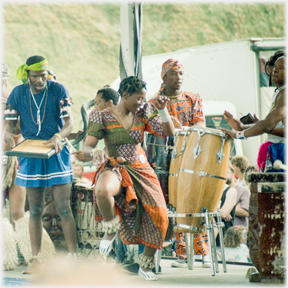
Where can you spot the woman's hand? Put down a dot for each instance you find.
(99, 157)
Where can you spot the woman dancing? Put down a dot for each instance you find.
(127, 193)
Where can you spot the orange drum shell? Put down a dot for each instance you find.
(193, 191)
(174, 167)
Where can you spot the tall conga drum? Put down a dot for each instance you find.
(256, 180)
(180, 141)
(271, 215)
(159, 155)
(202, 174)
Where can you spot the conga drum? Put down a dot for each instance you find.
(271, 215)
(87, 229)
(159, 155)
(181, 138)
(202, 174)
(257, 179)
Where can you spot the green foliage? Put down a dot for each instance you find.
(82, 41)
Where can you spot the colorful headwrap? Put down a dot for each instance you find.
(170, 64)
(22, 70)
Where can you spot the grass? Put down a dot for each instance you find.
(82, 41)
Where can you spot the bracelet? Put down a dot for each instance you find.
(91, 153)
(56, 134)
(164, 115)
(240, 135)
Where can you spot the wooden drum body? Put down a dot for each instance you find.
(202, 174)
(271, 215)
(87, 229)
(266, 225)
(181, 138)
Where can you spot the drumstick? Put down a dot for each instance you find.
(70, 145)
(279, 165)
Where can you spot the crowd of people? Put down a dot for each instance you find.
(130, 195)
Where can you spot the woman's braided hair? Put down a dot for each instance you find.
(131, 85)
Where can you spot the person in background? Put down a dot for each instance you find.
(239, 164)
(227, 205)
(236, 249)
(43, 108)
(78, 171)
(242, 202)
(105, 97)
(250, 169)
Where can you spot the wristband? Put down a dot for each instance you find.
(56, 134)
(92, 152)
(240, 135)
(164, 115)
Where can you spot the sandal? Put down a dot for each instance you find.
(149, 275)
(109, 227)
(106, 246)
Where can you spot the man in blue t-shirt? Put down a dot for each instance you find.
(43, 108)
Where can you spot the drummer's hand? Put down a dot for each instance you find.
(176, 122)
(234, 123)
(231, 133)
(58, 145)
(80, 156)
(99, 157)
(9, 139)
(256, 118)
(161, 102)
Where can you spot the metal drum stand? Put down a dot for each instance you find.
(211, 237)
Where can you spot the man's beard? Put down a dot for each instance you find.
(228, 181)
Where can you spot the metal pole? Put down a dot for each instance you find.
(208, 227)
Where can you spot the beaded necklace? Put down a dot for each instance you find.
(39, 122)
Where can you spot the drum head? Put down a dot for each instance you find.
(207, 131)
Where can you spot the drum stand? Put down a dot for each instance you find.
(211, 238)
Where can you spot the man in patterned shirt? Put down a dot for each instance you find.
(185, 109)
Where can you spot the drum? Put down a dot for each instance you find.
(159, 155)
(254, 229)
(271, 215)
(33, 149)
(87, 229)
(202, 174)
(176, 158)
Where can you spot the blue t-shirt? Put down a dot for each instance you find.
(51, 112)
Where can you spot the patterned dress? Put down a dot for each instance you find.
(142, 208)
